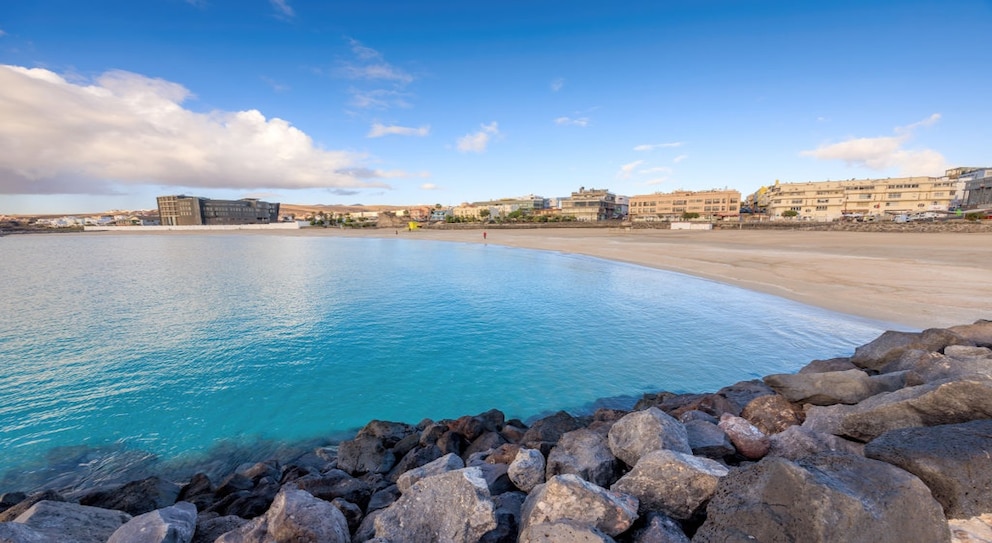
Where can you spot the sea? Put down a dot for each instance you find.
(123, 355)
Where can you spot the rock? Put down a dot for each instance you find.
(828, 497)
(508, 506)
(567, 497)
(352, 513)
(979, 333)
(973, 530)
(65, 522)
(743, 393)
(749, 441)
(336, 484)
(771, 414)
(528, 469)
(473, 427)
(199, 491)
(799, 442)
(563, 531)
(709, 440)
(672, 483)
(513, 433)
(173, 524)
(453, 506)
(366, 530)
(545, 433)
(659, 528)
(295, 515)
(365, 454)
(419, 456)
(452, 442)
(847, 387)
(890, 345)
(136, 497)
(236, 482)
(208, 529)
(12, 532)
(383, 498)
(694, 415)
(584, 453)
(929, 367)
(23, 505)
(964, 352)
(504, 454)
(485, 442)
(248, 504)
(497, 478)
(406, 445)
(446, 463)
(952, 460)
(643, 431)
(10, 499)
(832, 364)
(431, 433)
(261, 470)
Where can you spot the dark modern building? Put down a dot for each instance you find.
(184, 210)
(977, 186)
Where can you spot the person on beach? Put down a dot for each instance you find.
(483, 234)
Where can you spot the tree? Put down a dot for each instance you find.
(790, 213)
(688, 215)
(483, 213)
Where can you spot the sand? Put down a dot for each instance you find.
(909, 280)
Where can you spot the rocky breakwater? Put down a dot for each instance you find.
(891, 444)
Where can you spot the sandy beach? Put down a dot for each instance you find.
(913, 280)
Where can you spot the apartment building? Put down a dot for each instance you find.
(977, 186)
(670, 206)
(182, 210)
(590, 205)
(882, 198)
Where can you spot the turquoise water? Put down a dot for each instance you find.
(134, 350)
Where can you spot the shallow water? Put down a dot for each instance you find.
(132, 351)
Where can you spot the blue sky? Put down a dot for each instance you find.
(106, 104)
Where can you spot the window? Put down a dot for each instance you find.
(823, 200)
(895, 195)
(821, 208)
(796, 208)
(799, 201)
(864, 196)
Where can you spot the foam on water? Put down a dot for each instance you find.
(162, 349)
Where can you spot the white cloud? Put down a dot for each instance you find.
(884, 152)
(653, 146)
(127, 129)
(627, 169)
(283, 8)
(363, 52)
(580, 121)
(379, 99)
(429, 186)
(378, 130)
(478, 141)
(382, 71)
(557, 84)
(679, 158)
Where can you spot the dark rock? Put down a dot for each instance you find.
(890, 345)
(199, 491)
(414, 459)
(365, 454)
(389, 432)
(980, 333)
(448, 462)
(847, 387)
(336, 484)
(135, 498)
(268, 469)
(366, 530)
(453, 507)
(563, 530)
(295, 515)
(248, 504)
(452, 443)
(12, 532)
(406, 445)
(513, 433)
(952, 460)
(433, 432)
(383, 498)
(797, 442)
(709, 440)
(508, 506)
(659, 528)
(71, 522)
(352, 513)
(569, 498)
(497, 478)
(528, 469)
(13, 511)
(828, 497)
(584, 453)
(236, 482)
(749, 441)
(771, 414)
(173, 524)
(545, 433)
(690, 416)
(643, 431)
(676, 404)
(10, 499)
(672, 483)
(209, 528)
(485, 442)
(832, 364)
(504, 454)
(743, 393)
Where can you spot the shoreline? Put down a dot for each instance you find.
(911, 279)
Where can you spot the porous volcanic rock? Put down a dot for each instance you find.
(567, 497)
(72, 523)
(584, 453)
(644, 431)
(295, 515)
(563, 531)
(544, 433)
(173, 524)
(891, 344)
(750, 442)
(446, 463)
(136, 497)
(771, 413)
(827, 388)
(671, 482)
(528, 469)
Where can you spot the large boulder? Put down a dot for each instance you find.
(957, 362)
(455, 507)
(136, 497)
(799, 442)
(953, 460)
(750, 442)
(831, 364)
(545, 432)
(24, 504)
(563, 531)
(943, 402)
(567, 497)
(448, 462)
(295, 515)
(371, 450)
(980, 333)
(771, 414)
(890, 345)
(829, 388)
(743, 393)
(659, 528)
(173, 524)
(527, 469)
(209, 527)
(824, 498)
(72, 523)
(336, 484)
(644, 431)
(709, 440)
(414, 458)
(584, 453)
(508, 506)
(672, 483)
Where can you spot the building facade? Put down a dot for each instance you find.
(826, 201)
(710, 205)
(590, 205)
(977, 186)
(182, 210)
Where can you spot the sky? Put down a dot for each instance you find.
(107, 104)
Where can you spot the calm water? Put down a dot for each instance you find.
(133, 351)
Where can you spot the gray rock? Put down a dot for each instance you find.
(72, 523)
(689, 416)
(446, 463)
(136, 497)
(709, 440)
(352, 513)
(966, 352)
(799, 442)
(563, 531)
(953, 460)
(847, 387)
(497, 478)
(544, 433)
(453, 507)
(980, 333)
(659, 528)
(209, 528)
(383, 498)
(584, 453)
(12, 532)
(365, 454)
(832, 364)
(415, 458)
(508, 506)
(749, 441)
(295, 515)
(828, 497)
(890, 345)
(173, 524)
(527, 469)
(672, 483)
(644, 431)
(928, 367)
(366, 530)
(336, 484)
(26, 503)
(743, 393)
(485, 442)
(567, 497)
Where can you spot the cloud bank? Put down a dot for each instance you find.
(127, 129)
(885, 152)
(478, 141)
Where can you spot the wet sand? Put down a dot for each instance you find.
(909, 279)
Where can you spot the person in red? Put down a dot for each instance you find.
(483, 234)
